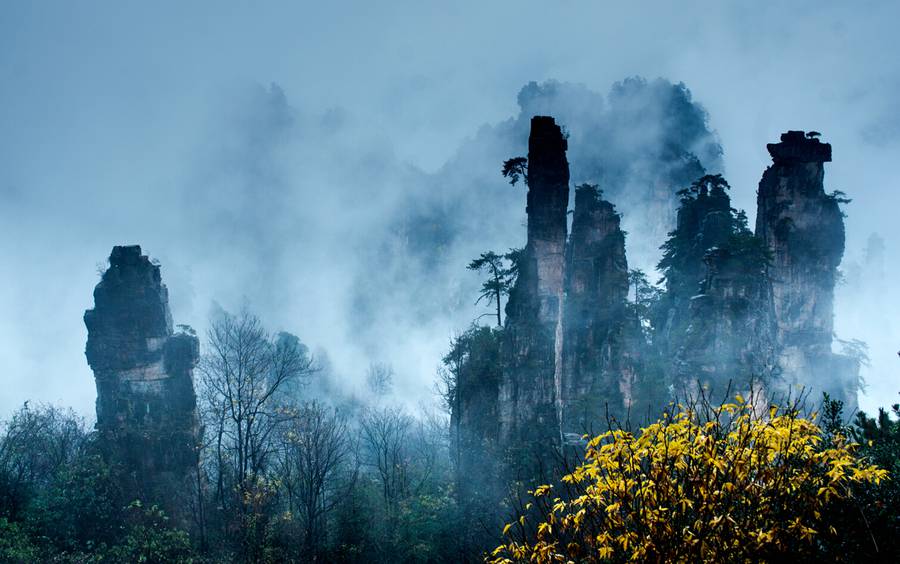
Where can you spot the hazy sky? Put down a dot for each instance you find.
(153, 122)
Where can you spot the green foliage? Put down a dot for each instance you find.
(150, 539)
(396, 488)
(839, 197)
(423, 534)
(501, 277)
(832, 420)
(36, 442)
(515, 168)
(712, 241)
(470, 376)
(880, 440)
(82, 508)
(870, 519)
(748, 251)
(515, 257)
(473, 362)
(645, 298)
(16, 547)
(74, 508)
(706, 184)
(355, 537)
(880, 436)
(697, 232)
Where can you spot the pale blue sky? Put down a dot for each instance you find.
(107, 111)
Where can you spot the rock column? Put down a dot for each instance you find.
(146, 405)
(529, 384)
(804, 229)
(596, 375)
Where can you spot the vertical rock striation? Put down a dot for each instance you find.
(742, 312)
(804, 229)
(528, 387)
(146, 405)
(596, 374)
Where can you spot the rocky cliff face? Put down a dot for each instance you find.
(474, 434)
(528, 387)
(146, 405)
(804, 229)
(729, 342)
(741, 312)
(705, 222)
(596, 374)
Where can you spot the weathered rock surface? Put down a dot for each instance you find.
(474, 433)
(742, 312)
(729, 343)
(528, 387)
(476, 361)
(146, 405)
(596, 375)
(804, 228)
(705, 222)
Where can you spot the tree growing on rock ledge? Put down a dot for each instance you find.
(515, 168)
(501, 278)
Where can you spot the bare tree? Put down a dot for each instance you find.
(316, 449)
(380, 378)
(386, 437)
(400, 449)
(35, 443)
(244, 375)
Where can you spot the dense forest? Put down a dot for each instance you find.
(591, 413)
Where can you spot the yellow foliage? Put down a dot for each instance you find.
(735, 488)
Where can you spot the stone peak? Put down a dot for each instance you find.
(128, 265)
(799, 147)
(545, 130)
(589, 197)
(126, 254)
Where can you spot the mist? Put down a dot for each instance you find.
(335, 168)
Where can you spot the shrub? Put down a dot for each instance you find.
(15, 545)
(731, 485)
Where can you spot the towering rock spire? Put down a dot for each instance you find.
(146, 405)
(548, 200)
(528, 388)
(804, 229)
(596, 375)
(705, 222)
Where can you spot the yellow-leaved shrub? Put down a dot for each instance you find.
(731, 486)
